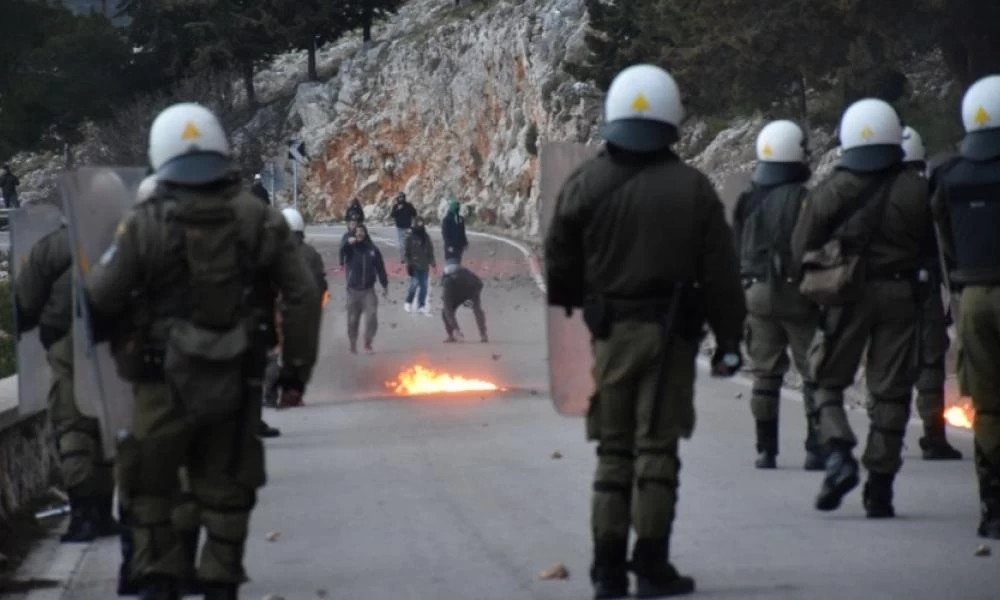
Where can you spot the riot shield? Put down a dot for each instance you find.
(571, 381)
(27, 226)
(95, 201)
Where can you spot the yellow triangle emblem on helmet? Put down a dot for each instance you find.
(867, 132)
(766, 150)
(982, 117)
(190, 132)
(640, 104)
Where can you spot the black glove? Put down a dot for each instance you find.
(409, 270)
(727, 359)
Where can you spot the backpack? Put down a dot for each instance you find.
(207, 347)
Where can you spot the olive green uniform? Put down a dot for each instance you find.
(780, 319)
(223, 461)
(624, 236)
(884, 320)
(964, 206)
(44, 299)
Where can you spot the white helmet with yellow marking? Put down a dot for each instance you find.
(188, 146)
(981, 119)
(146, 188)
(294, 219)
(913, 146)
(642, 110)
(781, 153)
(871, 136)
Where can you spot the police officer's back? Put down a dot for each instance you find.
(191, 258)
(640, 242)
(967, 206)
(877, 210)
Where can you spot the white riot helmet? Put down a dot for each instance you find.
(981, 119)
(781, 154)
(913, 147)
(146, 188)
(871, 135)
(188, 146)
(450, 269)
(642, 110)
(294, 219)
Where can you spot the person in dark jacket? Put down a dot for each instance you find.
(418, 255)
(259, 190)
(453, 233)
(8, 186)
(364, 265)
(355, 212)
(461, 286)
(403, 214)
(346, 240)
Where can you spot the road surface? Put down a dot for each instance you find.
(383, 498)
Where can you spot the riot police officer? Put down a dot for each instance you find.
(877, 308)
(197, 371)
(934, 342)
(964, 203)
(638, 199)
(781, 319)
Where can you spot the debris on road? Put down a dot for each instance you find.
(321, 593)
(557, 454)
(534, 392)
(739, 395)
(556, 571)
(273, 536)
(496, 356)
(983, 550)
(274, 597)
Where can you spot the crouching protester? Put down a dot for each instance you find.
(461, 287)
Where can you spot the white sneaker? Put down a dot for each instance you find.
(408, 307)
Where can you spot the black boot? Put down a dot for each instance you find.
(266, 431)
(877, 496)
(221, 591)
(107, 526)
(159, 587)
(815, 457)
(126, 585)
(934, 444)
(191, 586)
(841, 476)
(609, 573)
(767, 444)
(989, 525)
(655, 576)
(82, 528)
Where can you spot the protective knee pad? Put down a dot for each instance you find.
(149, 467)
(225, 542)
(80, 456)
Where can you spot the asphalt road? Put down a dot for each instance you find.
(377, 497)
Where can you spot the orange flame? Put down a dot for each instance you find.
(418, 380)
(961, 414)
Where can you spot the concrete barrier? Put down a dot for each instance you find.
(27, 456)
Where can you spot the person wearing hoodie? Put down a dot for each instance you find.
(453, 233)
(355, 212)
(781, 320)
(364, 265)
(418, 255)
(8, 187)
(461, 287)
(403, 214)
(346, 241)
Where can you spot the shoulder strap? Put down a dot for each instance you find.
(881, 203)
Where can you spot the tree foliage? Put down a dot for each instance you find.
(730, 54)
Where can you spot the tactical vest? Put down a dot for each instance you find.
(769, 216)
(202, 309)
(974, 207)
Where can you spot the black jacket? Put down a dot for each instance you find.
(453, 233)
(364, 264)
(403, 213)
(460, 286)
(260, 191)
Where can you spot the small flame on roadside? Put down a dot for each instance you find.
(961, 414)
(418, 380)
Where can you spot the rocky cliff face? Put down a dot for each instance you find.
(451, 100)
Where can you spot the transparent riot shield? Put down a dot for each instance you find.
(28, 225)
(95, 201)
(571, 382)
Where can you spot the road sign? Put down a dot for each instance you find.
(297, 152)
